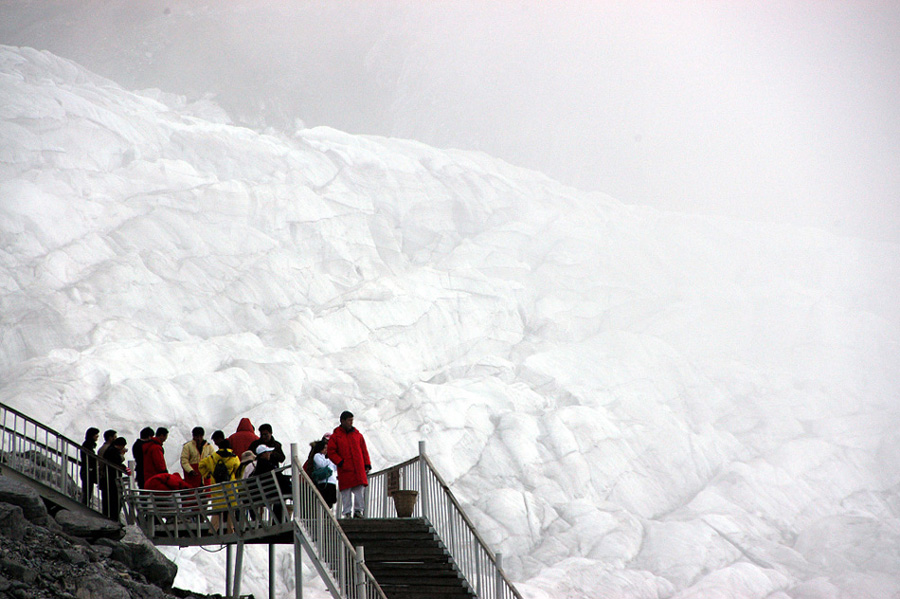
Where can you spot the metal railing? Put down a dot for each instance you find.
(248, 508)
(52, 459)
(481, 567)
(340, 565)
(258, 508)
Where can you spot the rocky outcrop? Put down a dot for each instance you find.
(16, 493)
(75, 556)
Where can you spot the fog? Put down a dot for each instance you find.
(626, 400)
(781, 112)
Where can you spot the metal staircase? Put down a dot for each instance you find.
(436, 553)
(408, 558)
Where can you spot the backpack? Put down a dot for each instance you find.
(221, 473)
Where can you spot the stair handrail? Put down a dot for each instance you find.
(325, 541)
(56, 461)
(480, 566)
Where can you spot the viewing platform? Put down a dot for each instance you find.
(434, 552)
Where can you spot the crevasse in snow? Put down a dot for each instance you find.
(629, 403)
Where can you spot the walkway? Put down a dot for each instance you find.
(436, 552)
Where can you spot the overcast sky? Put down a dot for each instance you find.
(781, 111)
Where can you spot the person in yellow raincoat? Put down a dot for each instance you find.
(221, 467)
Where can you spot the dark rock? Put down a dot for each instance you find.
(4, 583)
(146, 559)
(143, 590)
(103, 552)
(116, 551)
(18, 571)
(25, 497)
(96, 586)
(12, 522)
(88, 527)
(71, 556)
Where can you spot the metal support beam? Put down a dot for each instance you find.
(298, 569)
(229, 573)
(238, 567)
(271, 571)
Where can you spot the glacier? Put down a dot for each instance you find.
(628, 402)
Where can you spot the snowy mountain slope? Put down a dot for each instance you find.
(629, 403)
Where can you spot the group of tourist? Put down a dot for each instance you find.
(339, 460)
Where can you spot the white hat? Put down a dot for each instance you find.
(261, 449)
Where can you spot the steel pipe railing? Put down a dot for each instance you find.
(52, 459)
(478, 564)
(255, 508)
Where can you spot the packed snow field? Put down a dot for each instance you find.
(629, 403)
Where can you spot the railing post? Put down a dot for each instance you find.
(498, 592)
(63, 463)
(360, 575)
(295, 498)
(295, 480)
(423, 481)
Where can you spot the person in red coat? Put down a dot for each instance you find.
(347, 449)
(242, 438)
(154, 455)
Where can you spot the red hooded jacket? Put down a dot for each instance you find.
(154, 458)
(242, 437)
(348, 452)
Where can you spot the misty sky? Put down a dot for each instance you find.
(785, 111)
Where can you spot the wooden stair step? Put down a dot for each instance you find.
(379, 535)
(422, 570)
(418, 581)
(424, 592)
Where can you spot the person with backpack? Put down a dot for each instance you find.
(248, 464)
(322, 471)
(221, 467)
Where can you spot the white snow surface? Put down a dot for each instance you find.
(629, 403)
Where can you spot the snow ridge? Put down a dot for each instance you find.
(629, 403)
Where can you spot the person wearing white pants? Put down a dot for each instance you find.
(347, 449)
